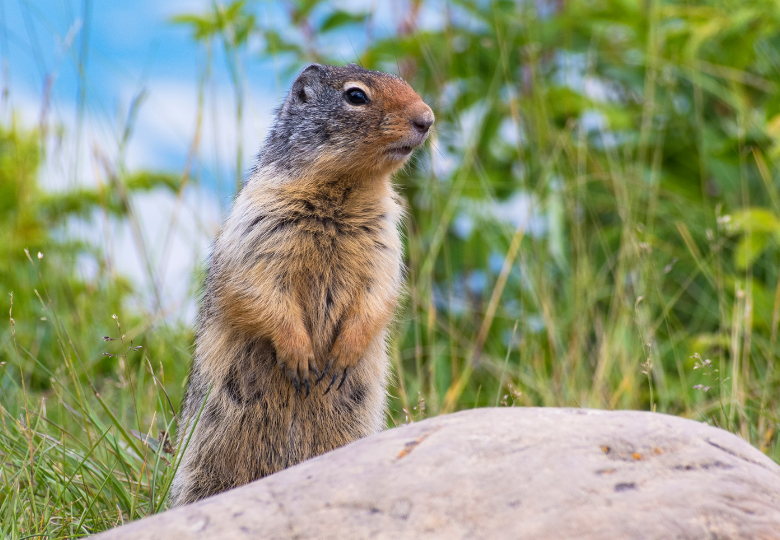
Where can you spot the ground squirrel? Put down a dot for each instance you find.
(302, 283)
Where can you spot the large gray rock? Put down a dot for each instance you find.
(505, 473)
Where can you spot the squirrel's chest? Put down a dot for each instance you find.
(337, 242)
(336, 262)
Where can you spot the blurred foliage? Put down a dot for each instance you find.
(595, 224)
(43, 265)
(57, 460)
(30, 219)
(232, 22)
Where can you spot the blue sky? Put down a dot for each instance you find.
(126, 41)
(130, 47)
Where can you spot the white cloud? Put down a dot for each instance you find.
(171, 261)
(167, 120)
(60, 170)
(158, 255)
(521, 210)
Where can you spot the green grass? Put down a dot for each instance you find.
(646, 278)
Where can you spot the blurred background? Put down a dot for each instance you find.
(594, 222)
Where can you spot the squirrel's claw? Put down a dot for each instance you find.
(333, 380)
(336, 378)
(313, 369)
(343, 378)
(324, 372)
(298, 372)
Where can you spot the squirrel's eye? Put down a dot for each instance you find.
(356, 96)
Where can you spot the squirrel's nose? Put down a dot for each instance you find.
(422, 122)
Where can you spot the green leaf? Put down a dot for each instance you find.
(146, 181)
(749, 248)
(342, 18)
(302, 9)
(203, 26)
(754, 220)
(275, 43)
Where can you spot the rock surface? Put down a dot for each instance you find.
(505, 473)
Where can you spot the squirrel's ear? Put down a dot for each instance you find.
(301, 89)
(311, 68)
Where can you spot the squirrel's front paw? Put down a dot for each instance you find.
(344, 356)
(297, 363)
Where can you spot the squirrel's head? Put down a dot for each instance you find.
(347, 120)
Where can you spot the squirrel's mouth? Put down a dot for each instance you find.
(404, 148)
(399, 152)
